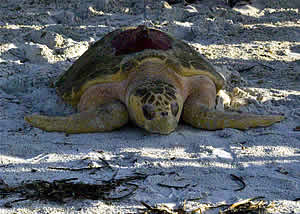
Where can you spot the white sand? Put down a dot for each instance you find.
(39, 41)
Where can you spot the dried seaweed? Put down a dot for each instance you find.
(240, 179)
(266, 66)
(173, 186)
(75, 169)
(106, 164)
(63, 190)
(242, 207)
(247, 206)
(163, 209)
(246, 69)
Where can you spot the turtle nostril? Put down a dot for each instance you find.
(148, 112)
(164, 113)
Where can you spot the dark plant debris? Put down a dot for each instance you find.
(240, 179)
(248, 206)
(106, 164)
(62, 191)
(75, 169)
(163, 209)
(173, 186)
(246, 69)
(181, 1)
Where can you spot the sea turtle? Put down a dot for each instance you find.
(149, 77)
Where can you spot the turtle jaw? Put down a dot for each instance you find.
(161, 126)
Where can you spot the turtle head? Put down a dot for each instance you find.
(155, 106)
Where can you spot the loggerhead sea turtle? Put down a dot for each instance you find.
(149, 77)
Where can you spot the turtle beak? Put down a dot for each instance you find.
(164, 125)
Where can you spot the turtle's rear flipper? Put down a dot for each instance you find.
(106, 117)
(213, 120)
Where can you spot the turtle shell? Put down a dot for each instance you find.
(118, 53)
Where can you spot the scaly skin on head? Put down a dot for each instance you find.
(155, 96)
(155, 106)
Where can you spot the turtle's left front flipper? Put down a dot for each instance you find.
(103, 118)
(213, 120)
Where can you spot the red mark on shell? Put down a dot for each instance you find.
(139, 39)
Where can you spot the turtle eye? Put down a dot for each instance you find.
(174, 108)
(148, 112)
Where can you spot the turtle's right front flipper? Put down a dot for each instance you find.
(106, 117)
(213, 120)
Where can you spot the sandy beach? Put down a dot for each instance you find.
(257, 48)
